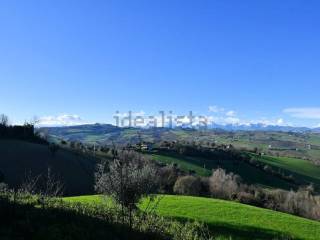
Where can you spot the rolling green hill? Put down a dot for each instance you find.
(303, 171)
(18, 158)
(230, 218)
(295, 165)
(203, 167)
(305, 144)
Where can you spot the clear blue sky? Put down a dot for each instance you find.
(260, 59)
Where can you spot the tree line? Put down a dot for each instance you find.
(24, 132)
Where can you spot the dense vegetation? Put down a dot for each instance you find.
(25, 132)
(31, 217)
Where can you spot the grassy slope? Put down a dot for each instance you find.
(17, 158)
(296, 165)
(184, 163)
(230, 218)
(247, 172)
(301, 169)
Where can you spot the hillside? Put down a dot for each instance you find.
(293, 154)
(231, 219)
(270, 171)
(305, 144)
(18, 158)
(301, 169)
(248, 173)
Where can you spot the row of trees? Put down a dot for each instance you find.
(23, 132)
(223, 153)
(131, 176)
(230, 186)
(212, 151)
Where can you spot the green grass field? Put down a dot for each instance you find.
(248, 173)
(231, 219)
(314, 139)
(184, 163)
(302, 170)
(296, 165)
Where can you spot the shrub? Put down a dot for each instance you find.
(223, 185)
(128, 178)
(74, 220)
(168, 175)
(205, 186)
(188, 185)
(301, 203)
(246, 198)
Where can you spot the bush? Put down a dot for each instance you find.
(128, 178)
(205, 186)
(301, 203)
(246, 198)
(223, 185)
(168, 175)
(188, 185)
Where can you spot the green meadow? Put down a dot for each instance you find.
(225, 218)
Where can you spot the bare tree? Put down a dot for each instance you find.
(30, 183)
(224, 185)
(34, 120)
(128, 178)
(45, 185)
(52, 186)
(4, 120)
(301, 203)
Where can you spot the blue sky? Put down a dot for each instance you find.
(258, 59)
